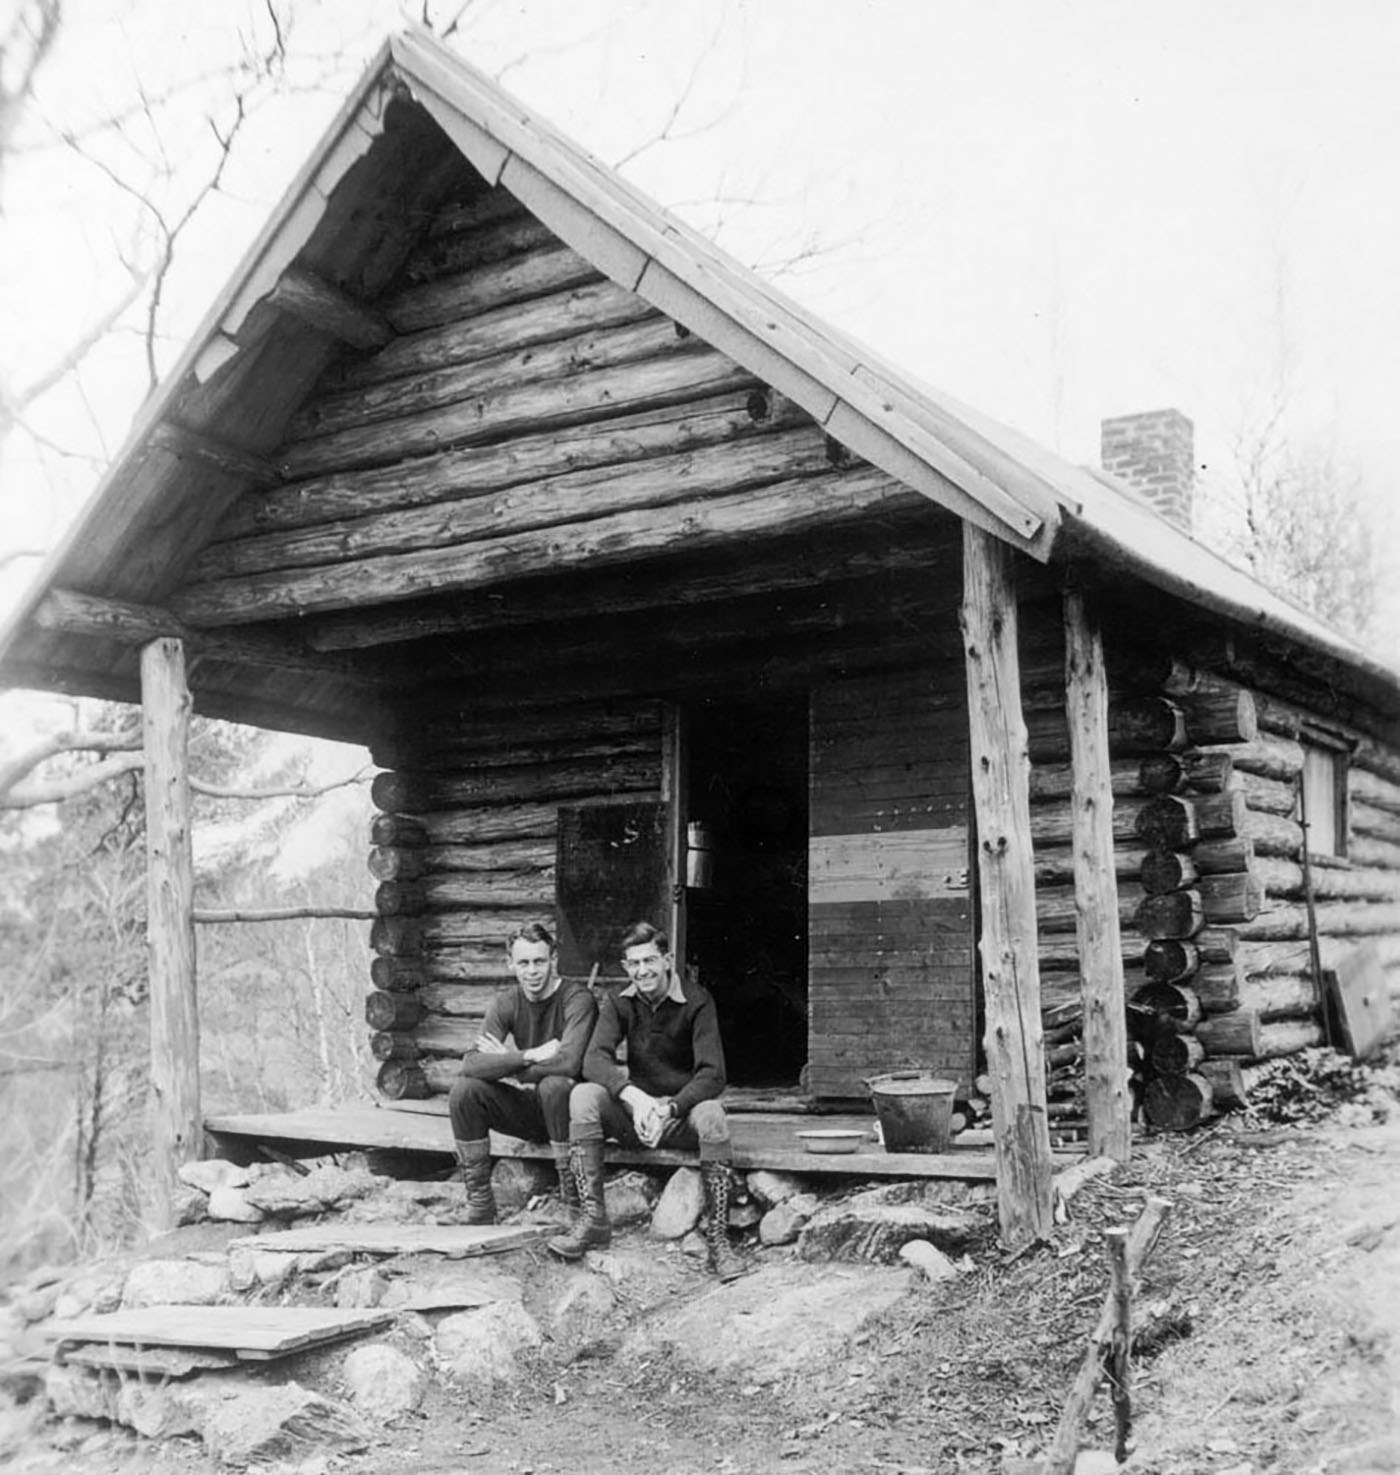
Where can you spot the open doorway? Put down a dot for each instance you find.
(745, 797)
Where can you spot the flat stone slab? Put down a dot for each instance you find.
(253, 1333)
(774, 1321)
(455, 1241)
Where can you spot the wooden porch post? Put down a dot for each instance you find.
(1096, 885)
(176, 1122)
(1006, 878)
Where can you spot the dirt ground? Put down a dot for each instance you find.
(1269, 1316)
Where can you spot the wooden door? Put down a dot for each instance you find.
(890, 920)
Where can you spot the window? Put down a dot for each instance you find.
(1323, 797)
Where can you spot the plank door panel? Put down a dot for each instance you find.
(890, 928)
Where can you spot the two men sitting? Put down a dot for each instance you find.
(653, 1073)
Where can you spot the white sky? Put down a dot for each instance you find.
(1056, 210)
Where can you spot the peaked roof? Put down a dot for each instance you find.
(960, 459)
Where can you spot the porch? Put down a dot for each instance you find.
(764, 1137)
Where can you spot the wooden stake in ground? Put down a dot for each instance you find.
(1139, 1243)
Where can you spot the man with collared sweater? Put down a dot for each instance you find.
(665, 1094)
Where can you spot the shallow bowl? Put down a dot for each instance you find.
(833, 1139)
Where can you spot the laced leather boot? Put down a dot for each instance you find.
(725, 1260)
(591, 1231)
(475, 1158)
(568, 1183)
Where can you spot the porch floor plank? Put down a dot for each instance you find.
(761, 1140)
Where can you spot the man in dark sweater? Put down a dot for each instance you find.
(518, 1076)
(667, 1093)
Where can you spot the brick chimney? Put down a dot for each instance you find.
(1155, 454)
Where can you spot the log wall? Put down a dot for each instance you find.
(1216, 898)
(464, 850)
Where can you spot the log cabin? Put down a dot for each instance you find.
(652, 595)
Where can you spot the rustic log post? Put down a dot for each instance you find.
(1096, 886)
(1006, 879)
(176, 1121)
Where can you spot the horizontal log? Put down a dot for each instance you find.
(519, 409)
(1176, 1054)
(1052, 824)
(1176, 1005)
(1218, 857)
(442, 893)
(1167, 822)
(1375, 790)
(523, 460)
(449, 723)
(1055, 907)
(1219, 986)
(1286, 921)
(1275, 996)
(1219, 717)
(1206, 772)
(465, 1000)
(1268, 795)
(1226, 1079)
(1170, 960)
(1218, 816)
(396, 863)
(402, 1080)
(1374, 824)
(1272, 834)
(1054, 864)
(1284, 878)
(1234, 897)
(1235, 1033)
(1136, 726)
(1287, 1037)
(1375, 756)
(1059, 953)
(435, 932)
(542, 320)
(431, 389)
(1268, 756)
(517, 279)
(424, 793)
(445, 1034)
(393, 1045)
(482, 963)
(449, 253)
(1176, 1103)
(460, 755)
(1366, 850)
(396, 830)
(816, 502)
(573, 497)
(1051, 781)
(392, 1011)
(1166, 870)
(501, 855)
(1179, 914)
(487, 824)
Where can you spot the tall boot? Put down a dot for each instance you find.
(475, 1158)
(725, 1261)
(568, 1184)
(591, 1230)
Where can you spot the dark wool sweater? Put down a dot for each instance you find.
(567, 1015)
(673, 1049)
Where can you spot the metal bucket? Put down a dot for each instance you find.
(915, 1109)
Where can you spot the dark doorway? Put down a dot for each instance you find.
(746, 899)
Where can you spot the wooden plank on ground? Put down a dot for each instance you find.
(251, 1332)
(454, 1241)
